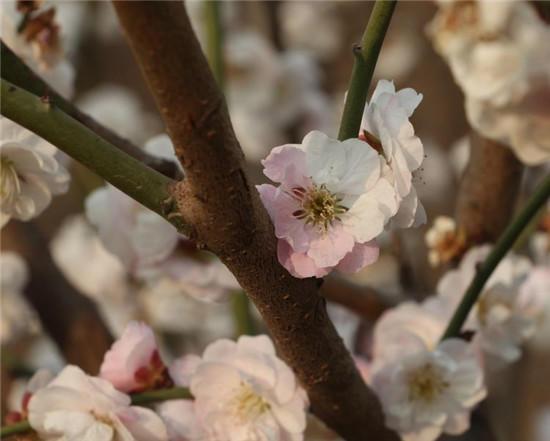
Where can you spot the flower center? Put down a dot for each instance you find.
(426, 383)
(247, 405)
(320, 207)
(10, 186)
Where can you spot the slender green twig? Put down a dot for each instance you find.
(13, 429)
(17, 72)
(138, 181)
(503, 245)
(214, 39)
(366, 56)
(153, 396)
(244, 322)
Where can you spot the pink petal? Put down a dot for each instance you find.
(298, 264)
(363, 254)
(286, 164)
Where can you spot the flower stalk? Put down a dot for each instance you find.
(140, 399)
(503, 245)
(140, 182)
(366, 55)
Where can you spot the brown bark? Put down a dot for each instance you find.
(488, 191)
(70, 319)
(223, 206)
(15, 71)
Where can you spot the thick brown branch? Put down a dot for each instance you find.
(70, 319)
(488, 190)
(219, 201)
(18, 73)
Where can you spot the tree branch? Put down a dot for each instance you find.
(366, 56)
(230, 220)
(134, 178)
(488, 191)
(18, 73)
(70, 318)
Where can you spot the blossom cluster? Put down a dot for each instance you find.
(241, 390)
(336, 197)
(495, 55)
(428, 386)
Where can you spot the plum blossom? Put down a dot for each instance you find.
(29, 173)
(40, 379)
(39, 43)
(79, 407)
(136, 235)
(444, 240)
(331, 204)
(428, 392)
(133, 363)
(505, 315)
(494, 52)
(386, 127)
(243, 390)
(181, 421)
(17, 316)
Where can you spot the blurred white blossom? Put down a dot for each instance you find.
(29, 173)
(445, 240)
(17, 316)
(495, 53)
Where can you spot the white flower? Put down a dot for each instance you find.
(136, 235)
(20, 398)
(504, 316)
(298, 18)
(17, 317)
(444, 240)
(386, 117)
(79, 407)
(181, 421)
(425, 393)
(77, 245)
(243, 390)
(50, 65)
(29, 173)
(495, 55)
(406, 326)
(119, 109)
(169, 308)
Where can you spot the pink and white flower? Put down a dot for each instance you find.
(40, 379)
(505, 315)
(29, 173)
(79, 407)
(386, 127)
(243, 390)
(428, 392)
(133, 363)
(331, 204)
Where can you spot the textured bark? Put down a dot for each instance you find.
(71, 319)
(219, 201)
(488, 191)
(15, 71)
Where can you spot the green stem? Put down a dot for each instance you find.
(175, 393)
(138, 181)
(503, 245)
(366, 56)
(12, 429)
(244, 323)
(214, 40)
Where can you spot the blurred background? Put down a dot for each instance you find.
(287, 65)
